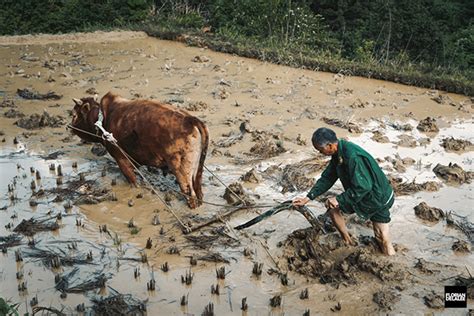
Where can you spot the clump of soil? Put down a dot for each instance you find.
(406, 141)
(7, 103)
(237, 189)
(229, 139)
(325, 257)
(197, 106)
(12, 113)
(424, 266)
(267, 148)
(37, 121)
(433, 300)
(402, 127)
(452, 144)
(99, 150)
(406, 188)
(453, 173)
(251, 176)
(91, 91)
(443, 99)
(431, 214)
(379, 137)
(351, 127)
(428, 125)
(386, 299)
(31, 94)
(201, 59)
(400, 164)
(461, 246)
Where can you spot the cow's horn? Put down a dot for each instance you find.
(77, 101)
(96, 97)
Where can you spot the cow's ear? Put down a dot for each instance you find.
(86, 107)
(77, 101)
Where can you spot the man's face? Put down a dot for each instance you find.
(328, 150)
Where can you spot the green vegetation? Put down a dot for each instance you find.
(6, 308)
(427, 43)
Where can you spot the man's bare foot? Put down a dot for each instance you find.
(381, 232)
(387, 249)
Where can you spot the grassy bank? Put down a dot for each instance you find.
(425, 76)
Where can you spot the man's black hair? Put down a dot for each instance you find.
(323, 136)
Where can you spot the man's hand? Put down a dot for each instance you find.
(300, 201)
(331, 202)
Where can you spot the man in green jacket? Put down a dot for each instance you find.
(367, 190)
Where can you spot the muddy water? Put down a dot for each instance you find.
(279, 101)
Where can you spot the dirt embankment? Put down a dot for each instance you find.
(260, 117)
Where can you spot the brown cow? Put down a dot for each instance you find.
(152, 133)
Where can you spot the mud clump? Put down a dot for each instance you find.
(37, 121)
(386, 299)
(229, 139)
(31, 94)
(312, 254)
(197, 106)
(235, 195)
(351, 127)
(406, 141)
(251, 176)
(443, 99)
(406, 188)
(12, 113)
(452, 144)
(433, 300)
(461, 246)
(99, 150)
(453, 173)
(424, 266)
(431, 214)
(400, 164)
(267, 148)
(428, 125)
(379, 137)
(7, 103)
(402, 127)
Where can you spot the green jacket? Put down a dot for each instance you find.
(367, 189)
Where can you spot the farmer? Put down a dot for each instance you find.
(367, 190)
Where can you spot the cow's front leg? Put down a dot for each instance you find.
(124, 164)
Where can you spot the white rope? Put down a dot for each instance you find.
(105, 135)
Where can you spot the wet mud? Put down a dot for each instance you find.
(80, 240)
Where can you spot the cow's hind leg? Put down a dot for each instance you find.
(182, 170)
(187, 188)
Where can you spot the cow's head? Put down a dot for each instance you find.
(84, 116)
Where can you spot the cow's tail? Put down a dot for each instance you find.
(197, 179)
